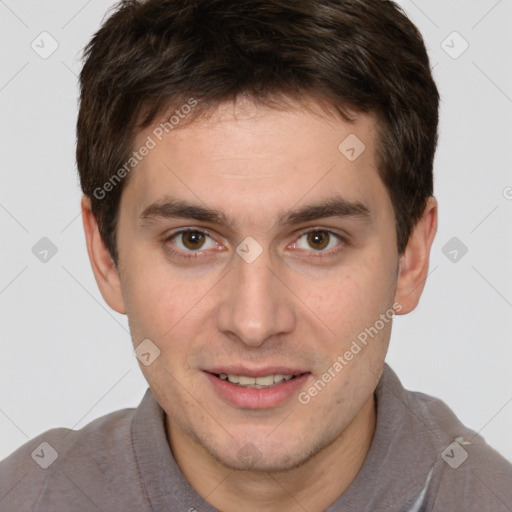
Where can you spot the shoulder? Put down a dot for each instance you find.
(69, 466)
(468, 474)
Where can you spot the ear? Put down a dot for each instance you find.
(103, 267)
(413, 264)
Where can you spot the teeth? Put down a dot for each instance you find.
(256, 382)
(244, 381)
(265, 381)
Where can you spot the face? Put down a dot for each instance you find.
(250, 245)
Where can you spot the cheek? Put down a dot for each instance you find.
(351, 298)
(163, 305)
(151, 297)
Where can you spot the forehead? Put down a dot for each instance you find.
(251, 158)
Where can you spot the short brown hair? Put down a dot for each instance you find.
(362, 55)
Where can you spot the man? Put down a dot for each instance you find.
(258, 200)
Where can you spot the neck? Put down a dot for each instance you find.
(313, 486)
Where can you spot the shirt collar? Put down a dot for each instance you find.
(399, 465)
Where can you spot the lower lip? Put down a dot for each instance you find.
(252, 398)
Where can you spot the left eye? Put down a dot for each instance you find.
(193, 240)
(319, 240)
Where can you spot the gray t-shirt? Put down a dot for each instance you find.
(422, 459)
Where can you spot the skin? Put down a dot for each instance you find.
(289, 307)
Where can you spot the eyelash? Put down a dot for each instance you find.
(196, 254)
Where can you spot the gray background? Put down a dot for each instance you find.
(66, 358)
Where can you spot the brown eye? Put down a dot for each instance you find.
(193, 240)
(318, 240)
(190, 244)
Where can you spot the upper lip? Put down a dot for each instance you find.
(255, 372)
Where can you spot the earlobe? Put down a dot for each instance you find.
(413, 265)
(103, 267)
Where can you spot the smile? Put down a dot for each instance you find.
(264, 391)
(255, 382)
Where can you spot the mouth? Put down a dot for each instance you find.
(262, 389)
(264, 382)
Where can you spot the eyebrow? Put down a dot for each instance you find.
(177, 208)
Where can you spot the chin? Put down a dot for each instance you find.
(263, 456)
(274, 464)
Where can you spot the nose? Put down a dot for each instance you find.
(255, 304)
